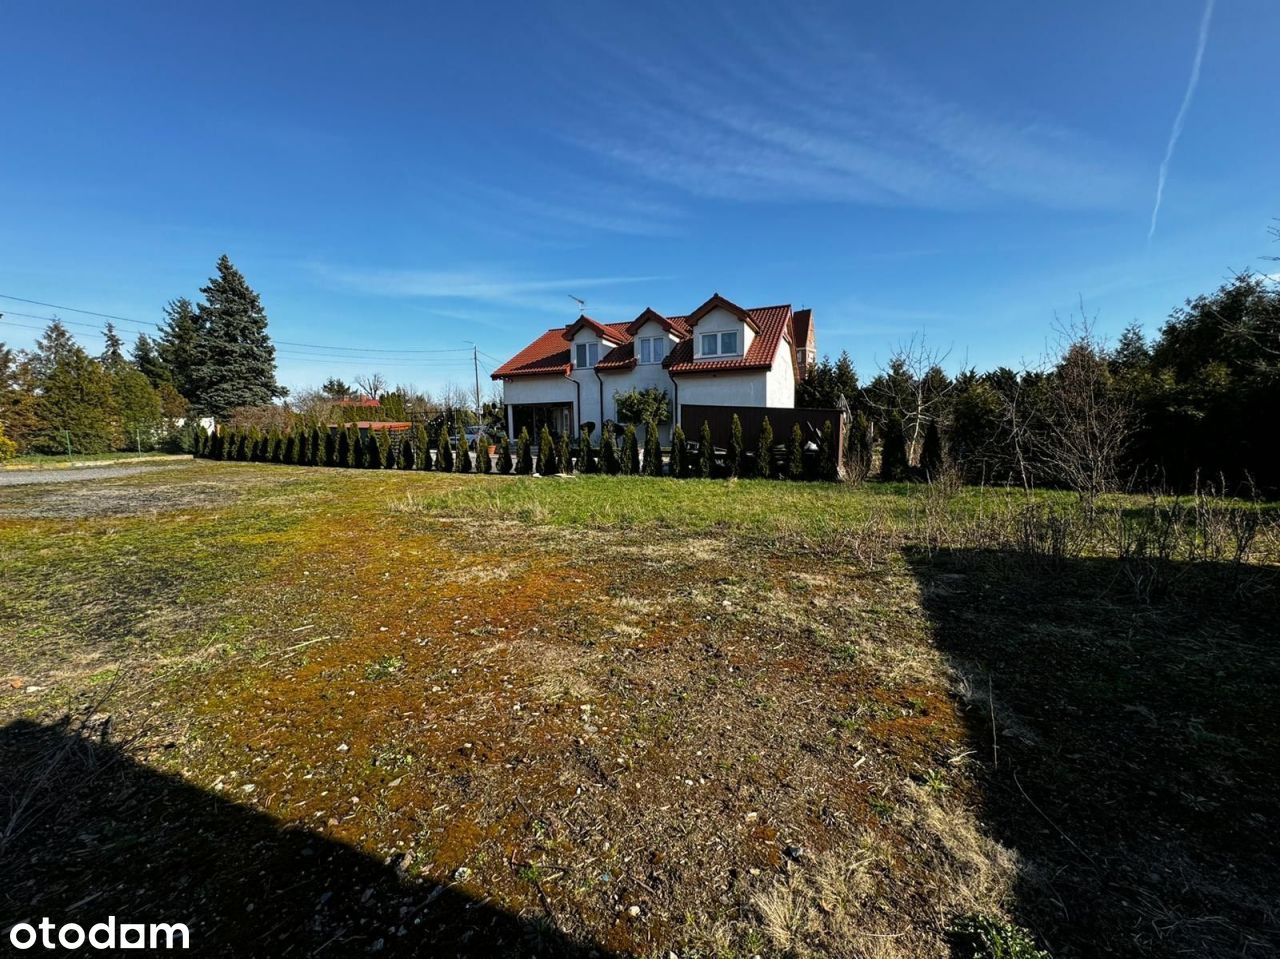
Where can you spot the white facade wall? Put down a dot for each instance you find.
(723, 389)
(640, 377)
(780, 381)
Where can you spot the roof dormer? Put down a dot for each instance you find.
(721, 330)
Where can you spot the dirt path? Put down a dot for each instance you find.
(82, 474)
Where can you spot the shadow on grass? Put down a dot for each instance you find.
(104, 835)
(1137, 763)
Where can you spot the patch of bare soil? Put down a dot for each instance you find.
(82, 500)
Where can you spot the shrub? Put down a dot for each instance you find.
(858, 447)
(319, 455)
(407, 459)
(330, 447)
(609, 454)
(444, 452)
(828, 464)
(982, 937)
(289, 456)
(342, 455)
(642, 405)
(652, 450)
(524, 453)
(421, 448)
(462, 456)
(241, 448)
(302, 444)
(734, 462)
(483, 463)
(678, 453)
(795, 457)
(764, 454)
(202, 442)
(706, 453)
(505, 465)
(372, 451)
(630, 452)
(893, 455)
(385, 455)
(933, 455)
(8, 448)
(586, 455)
(564, 454)
(547, 464)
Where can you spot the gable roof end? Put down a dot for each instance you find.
(716, 301)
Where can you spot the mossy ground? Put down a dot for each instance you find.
(705, 717)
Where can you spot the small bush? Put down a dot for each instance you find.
(734, 462)
(706, 452)
(564, 454)
(982, 937)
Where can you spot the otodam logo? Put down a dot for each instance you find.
(101, 935)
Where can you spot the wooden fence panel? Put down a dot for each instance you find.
(781, 419)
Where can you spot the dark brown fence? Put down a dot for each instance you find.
(781, 419)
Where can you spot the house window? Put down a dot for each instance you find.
(588, 353)
(653, 349)
(720, 344)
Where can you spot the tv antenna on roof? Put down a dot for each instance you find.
(582, 304)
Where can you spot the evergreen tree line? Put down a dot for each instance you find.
(208, 359)
(1197, 404)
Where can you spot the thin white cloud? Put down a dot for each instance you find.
(1192, 82)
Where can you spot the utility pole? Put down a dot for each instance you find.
(475, 363)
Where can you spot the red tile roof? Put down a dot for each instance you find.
(772, 324)
(549, 353)
(363, 401)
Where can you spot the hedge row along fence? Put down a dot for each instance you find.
(768, 456)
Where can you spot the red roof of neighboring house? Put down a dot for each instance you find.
(549, 353)
(364, 401)
(373, 425)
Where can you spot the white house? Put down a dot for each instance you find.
(718, 355)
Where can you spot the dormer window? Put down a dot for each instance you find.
(588, 354)
(652, 349)
(720, 344)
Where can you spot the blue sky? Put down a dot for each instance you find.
(418, 176)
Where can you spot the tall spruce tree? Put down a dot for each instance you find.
(178, 344)
(147, 360)
(54, 345)
(112, 357)
(235, 363)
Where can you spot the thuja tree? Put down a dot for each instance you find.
(330, 448)
(444, 452)
(343, 451)
(505, 465)
(290, 454)
(630, 452)
(609, 462)
(679, 454)
(406, 461)
(483, 460)
(372, 452)
(734, 460)
(384, 449)
(652, 450)
(933, 455)
(828, 461)
(795, 454)
(564, 454)
(319, 454)
(462, 457)
(524, 453)
(706, 453)
(894, 466)
(547, 460)
(586, 455)
(358, 449)
(764, 454)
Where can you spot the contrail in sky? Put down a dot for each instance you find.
(1176, 132)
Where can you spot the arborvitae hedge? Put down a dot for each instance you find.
(795, 457)
(609, 462)
(524, 453)
(734, 461)
(893, 456)
(764, 455)
(290, 456)
(330, 448)
(444, 452)
(630, 459)
(421, 448)
(405, 457)
(505, 465)
(828, 463)
(318, 453)
(652, 450)
(385, 453)
(342, 452)
(462, 456)
(706, 452)
(933, 455)
(586, 455)
(679, 454)
(547, 460)
(564, 454)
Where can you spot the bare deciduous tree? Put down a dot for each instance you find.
(913, 385)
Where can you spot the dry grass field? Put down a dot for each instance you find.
(329, 712)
